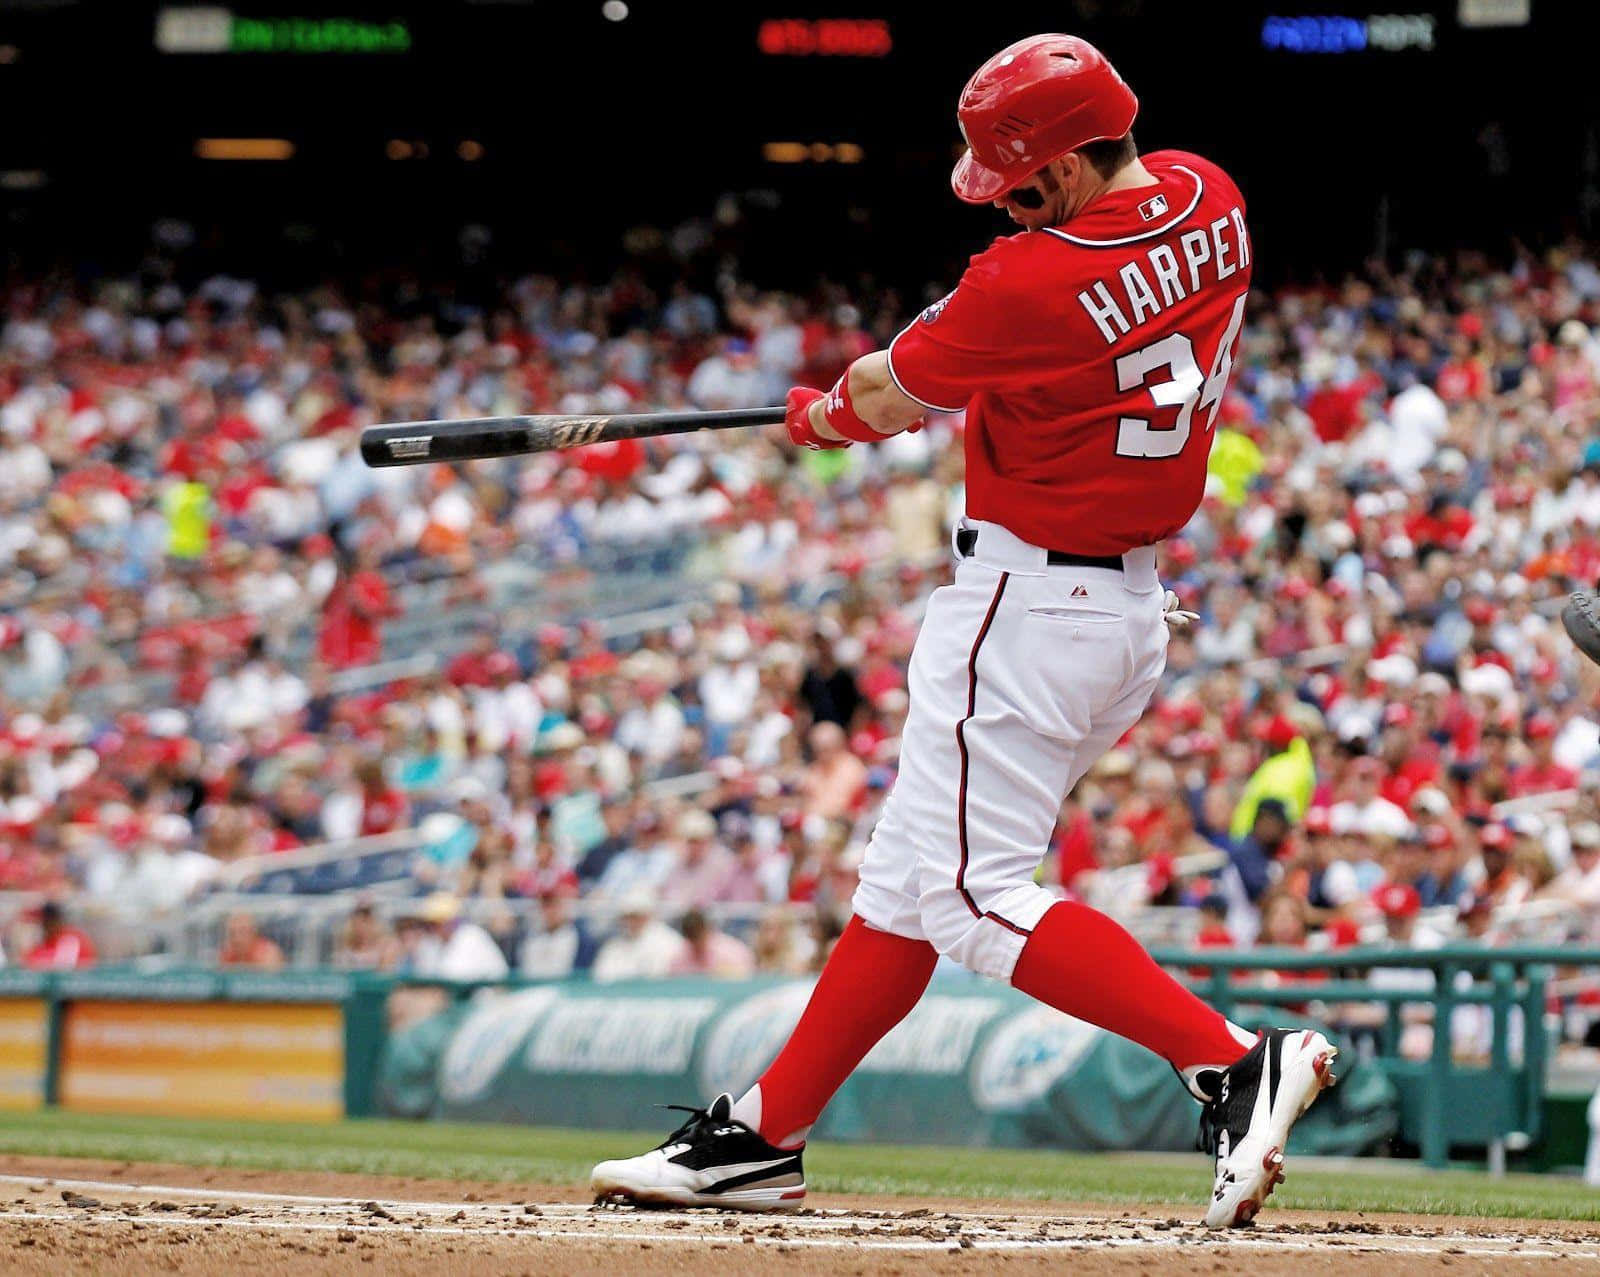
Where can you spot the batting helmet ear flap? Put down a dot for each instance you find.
(1031, 103)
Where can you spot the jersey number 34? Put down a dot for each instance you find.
(1181, 389)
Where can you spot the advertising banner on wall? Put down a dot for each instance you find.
(974, 1063)
(24, 1051)
(210, 1059)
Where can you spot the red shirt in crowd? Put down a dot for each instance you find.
(1542, 778)
(617, 461)
(1092, 359)
(1462, 379)
(1335, 411)
(382, 811)
(1075, 853)
(350, 634)
(67, 949)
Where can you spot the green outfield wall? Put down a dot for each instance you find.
(975, 1063)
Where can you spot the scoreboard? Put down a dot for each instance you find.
(1349, 132)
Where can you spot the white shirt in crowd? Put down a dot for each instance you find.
(646, 956)
(717, 383)
(1378, 816)
(505, 713)
(253, 695)
(637, 869)
(469, 953)
(549, 955)
(340, 814)
(654, 731)
(728, 691)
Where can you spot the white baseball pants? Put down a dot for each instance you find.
(1023, 674)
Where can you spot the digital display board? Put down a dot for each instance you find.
(209, 30)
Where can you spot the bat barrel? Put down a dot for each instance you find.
(416, 442)
(419, 442)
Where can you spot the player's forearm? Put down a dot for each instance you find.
(875, 397)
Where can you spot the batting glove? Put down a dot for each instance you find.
(1174, 613)
(797, 420)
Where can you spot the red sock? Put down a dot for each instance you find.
(871, 981)
(1081, 962)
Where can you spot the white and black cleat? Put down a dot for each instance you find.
(711, 1160)
(1246, 1125)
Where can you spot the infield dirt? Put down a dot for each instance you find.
(80, 1216)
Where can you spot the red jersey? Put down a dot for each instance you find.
(1092, 359)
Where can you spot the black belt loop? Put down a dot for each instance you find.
(967, 542)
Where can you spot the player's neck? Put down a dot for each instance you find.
(1131, 174)
(1127, 177)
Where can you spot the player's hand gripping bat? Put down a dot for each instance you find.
(418, 442)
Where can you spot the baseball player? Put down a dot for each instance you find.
(1090, 353)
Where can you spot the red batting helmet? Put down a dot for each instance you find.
(1031, 103)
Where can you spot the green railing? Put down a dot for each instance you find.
(1446, 1102)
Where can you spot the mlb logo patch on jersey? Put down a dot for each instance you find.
(1154, 207)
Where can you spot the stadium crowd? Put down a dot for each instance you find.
(1377, 731)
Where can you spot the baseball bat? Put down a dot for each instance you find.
(414, 443)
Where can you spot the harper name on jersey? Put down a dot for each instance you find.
(1091, 360)
(1128, 300)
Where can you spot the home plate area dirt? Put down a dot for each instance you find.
(64, 1216)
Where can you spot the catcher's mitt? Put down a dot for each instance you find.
(1581, 616)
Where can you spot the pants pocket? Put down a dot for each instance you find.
(1092, 615)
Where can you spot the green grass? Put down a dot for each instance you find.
(543, 1155)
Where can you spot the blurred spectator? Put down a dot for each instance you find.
(753, 876)
(728, 688)
(1363, 810)
(1254, 857)
(354, 611)
(710, 951)
(777, 948)
(1213, 932)
(1288, 777)
(1283, 923)
(643, 948)
(383, 808)
(1399, 904)
(826, 928)
(561, 947)
(549, 874)
(244, 946)
(1502, 880)
(827, 688)
(835, 778)
(654, 726)
(642, 866)
(61, 946)
(704, 864)
(592, 868)
(1579, 882)
(452, 948)
(365, 943)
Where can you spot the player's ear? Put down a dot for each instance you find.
(1063, 173)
